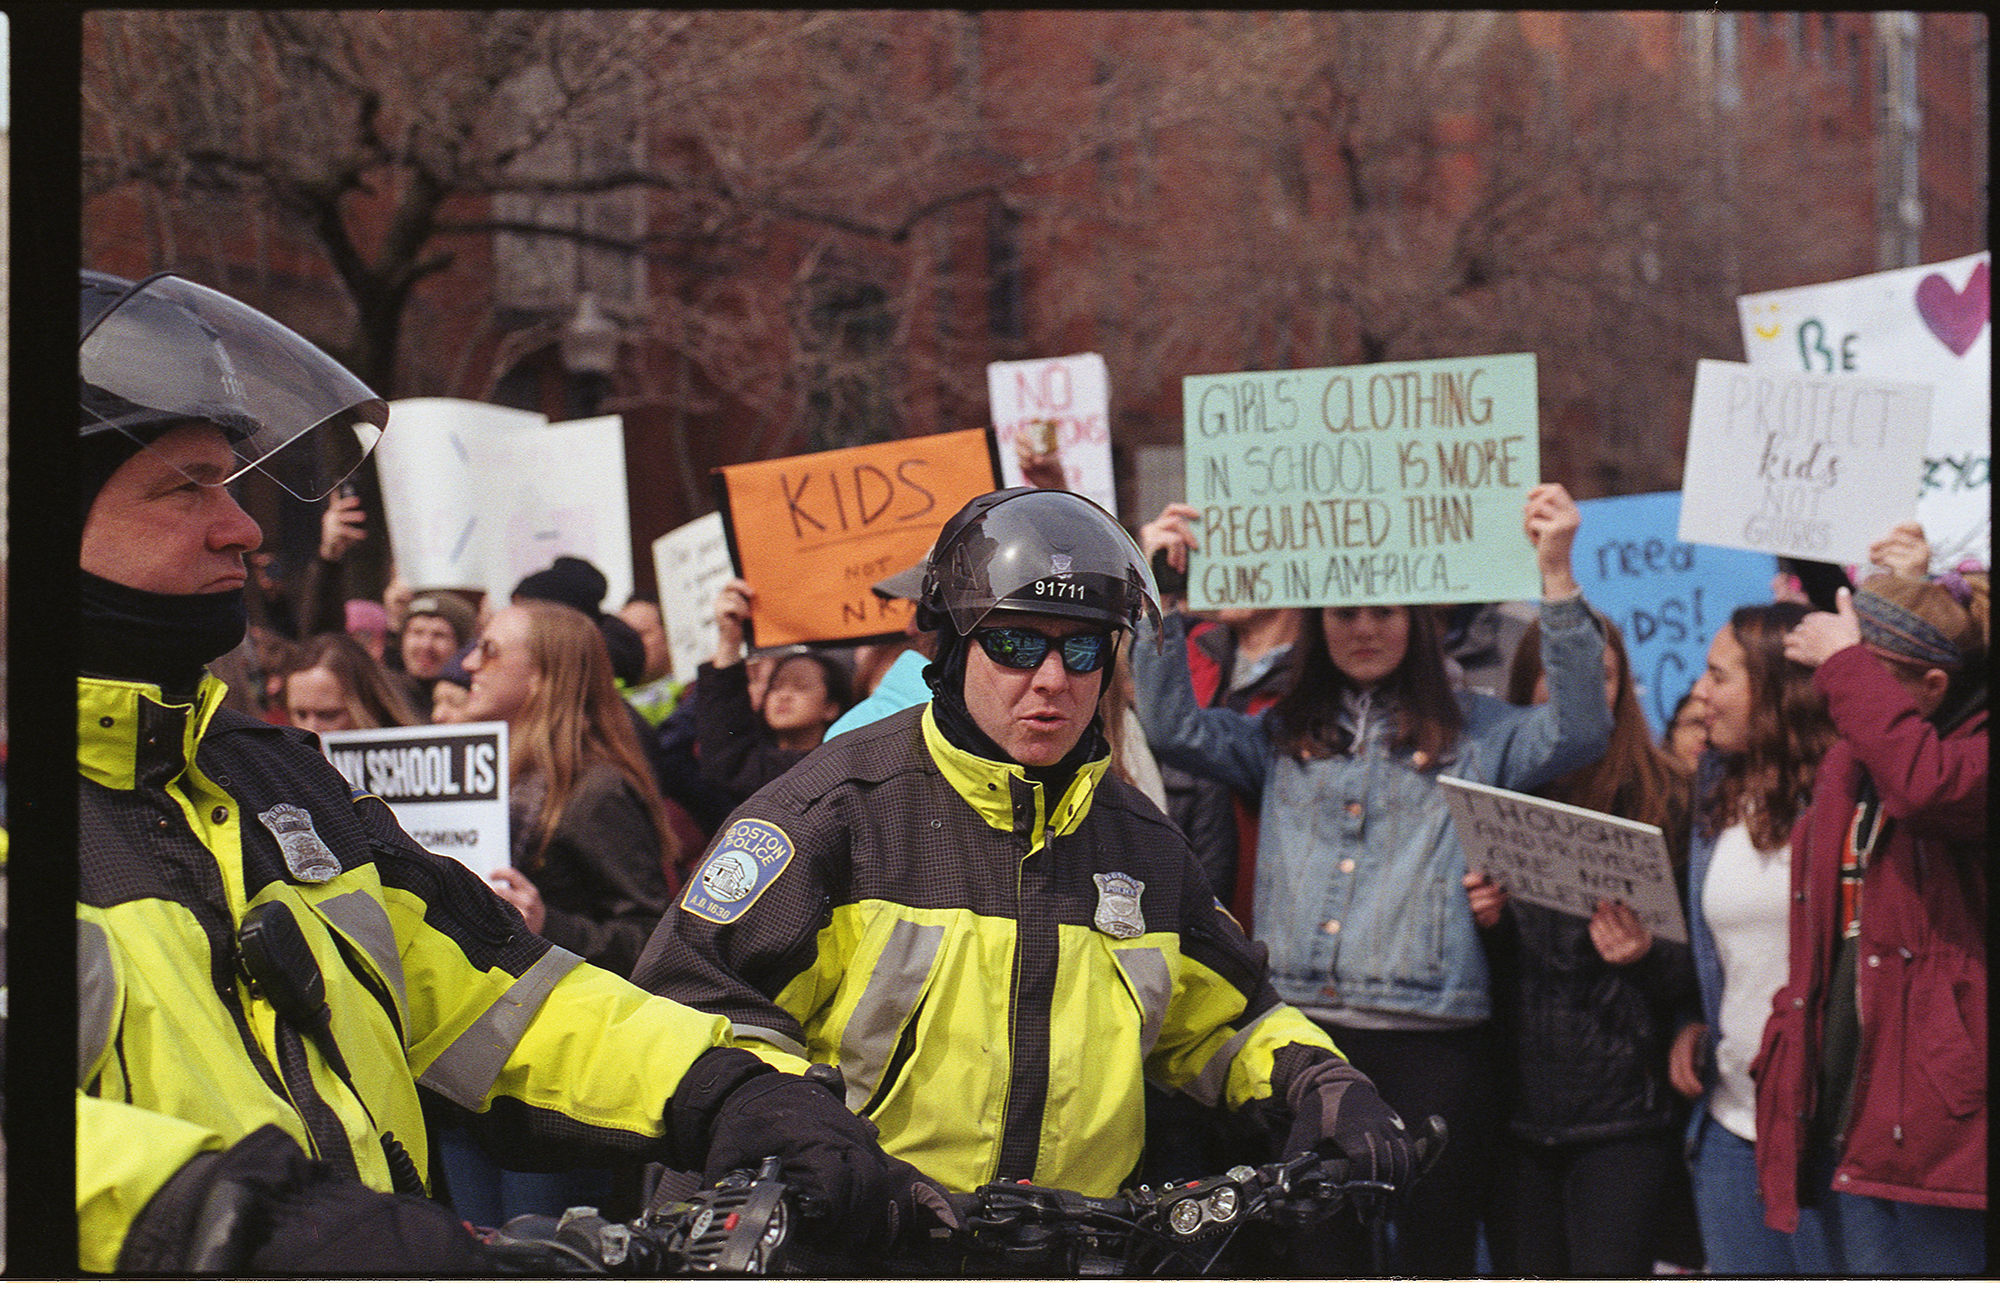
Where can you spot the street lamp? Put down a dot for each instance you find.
(589, 339)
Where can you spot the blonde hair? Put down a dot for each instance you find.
(574, 718)
(1964, 625)
(371, 698)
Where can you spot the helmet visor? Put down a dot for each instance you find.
(1055, 555)
(172, 351)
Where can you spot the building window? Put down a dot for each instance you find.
(597, 250)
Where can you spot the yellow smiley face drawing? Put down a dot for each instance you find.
(1765, 322)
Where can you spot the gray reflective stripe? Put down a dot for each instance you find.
(869, 1039)
(96, 995)
(1208, 1085)
(1146, 970)
(772, 1036)
(465, 1072)
(360, 916)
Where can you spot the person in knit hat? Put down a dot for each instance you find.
(1871, 1090)
(575, 582)
(437, 624)
(368, 621)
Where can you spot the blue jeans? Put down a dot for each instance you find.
(486, 1195)
(1733, 1233)
(1869, 1236)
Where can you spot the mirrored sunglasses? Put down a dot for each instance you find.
(1024, 650)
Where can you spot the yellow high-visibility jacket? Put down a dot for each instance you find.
(995, 969)
(190, 816)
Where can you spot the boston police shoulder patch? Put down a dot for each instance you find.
(746, 860)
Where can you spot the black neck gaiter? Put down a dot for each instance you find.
(163, 639)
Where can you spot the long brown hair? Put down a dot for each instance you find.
(574, 718)
(1635, 778)
(1766, 785)
(372, 699)
(1305, 722)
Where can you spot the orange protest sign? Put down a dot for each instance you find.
(811, 533)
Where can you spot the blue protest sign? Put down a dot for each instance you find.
(1668, 598)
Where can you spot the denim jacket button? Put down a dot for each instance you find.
(1347, 865)
(1331, 926)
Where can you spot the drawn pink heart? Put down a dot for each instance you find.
(1956, 316)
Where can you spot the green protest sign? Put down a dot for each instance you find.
(1339, 486)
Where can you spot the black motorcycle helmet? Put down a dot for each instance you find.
(1046, 551)
(163, 351)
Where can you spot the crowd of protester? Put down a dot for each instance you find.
(1598, 1082)
(1799, 1089)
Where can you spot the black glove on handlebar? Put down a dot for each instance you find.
(264, 1206)
(732, 1110)
(1337, 1111)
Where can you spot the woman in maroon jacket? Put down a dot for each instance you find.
(1871, 1081)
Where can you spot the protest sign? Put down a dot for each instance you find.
(447, 784)
(1566, 858)
(691, 563)
(1798, 465)
(811, 533)
(1064, 406)
(433, 462)
(1390, 483)
(478, 496)
(1929, 325)
(1667, 597)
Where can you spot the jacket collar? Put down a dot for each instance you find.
(1005, 797)
(116, 719)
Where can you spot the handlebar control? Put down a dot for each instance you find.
(738, 1227)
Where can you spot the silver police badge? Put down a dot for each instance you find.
(1118, 911)
(307, 858)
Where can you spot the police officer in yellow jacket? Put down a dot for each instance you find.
(269, 969)
(991, 936)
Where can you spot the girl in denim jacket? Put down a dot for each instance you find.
(1359, 892)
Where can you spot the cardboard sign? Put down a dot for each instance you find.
(1800, 466)
(691, 563)
(811, 533)
(1931, 325)
(1064, 406)
(1564, 857)
(1391, 483)
(447, 784)
(478, 496)
(1667, 597)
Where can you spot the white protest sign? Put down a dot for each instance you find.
(691, 564)
(1928, 324)
(478, 495)
(561, 492)
(1564, 857)
(1800, 465)
(447, 784)
(1064, 406)
(432, 462)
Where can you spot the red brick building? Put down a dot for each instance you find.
(1837, 143)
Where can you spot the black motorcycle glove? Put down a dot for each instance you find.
(732, 1110)
(265, 1207)
(1336, 1111)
